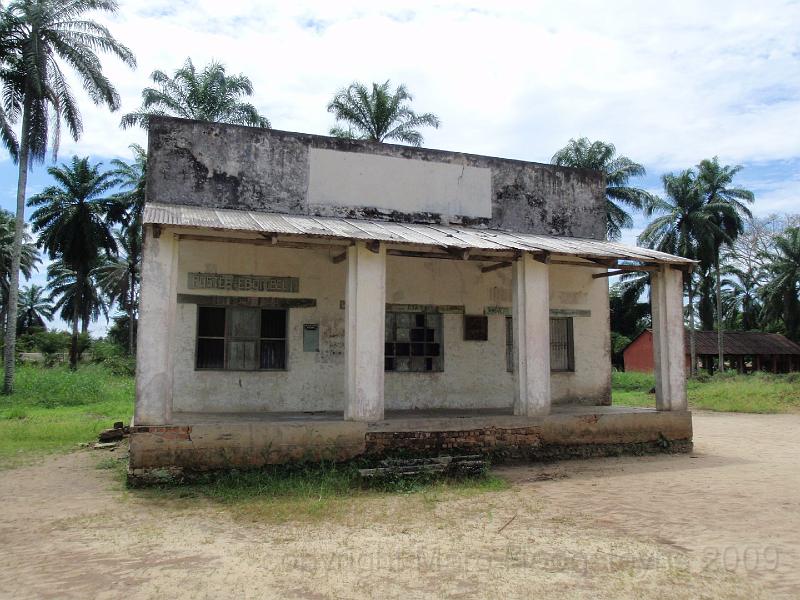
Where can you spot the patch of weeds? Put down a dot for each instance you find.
(108, 463)
(307, 492)
(15, 412)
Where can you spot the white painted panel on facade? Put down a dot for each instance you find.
(353, 179)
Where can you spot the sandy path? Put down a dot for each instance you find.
(664, 526)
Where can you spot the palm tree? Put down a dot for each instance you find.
(378, 114)
(78, 300)
(131, 179)
(118, 278)
(8, 137)
(729, 210)
(618, 170)
(742, 286)
(783, 285)
(29, 258)
(683, 228)
(71, 220)
(40, 38)
(208, 95)
(34, 308)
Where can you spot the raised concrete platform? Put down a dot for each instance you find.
(206, 441)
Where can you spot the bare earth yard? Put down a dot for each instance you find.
(723, 522)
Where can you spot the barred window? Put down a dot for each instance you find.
(562, 348)
(562, 352)
(241, 339)
(413, 342)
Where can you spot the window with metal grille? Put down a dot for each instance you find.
(562, 353)
(562, 349)
(241, 339)
(413, 342)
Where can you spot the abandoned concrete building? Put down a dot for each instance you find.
(306, 297)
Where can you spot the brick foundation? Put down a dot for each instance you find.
(231, 444)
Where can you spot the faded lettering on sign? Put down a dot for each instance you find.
(242, 283)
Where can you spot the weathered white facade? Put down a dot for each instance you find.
(475, 374)
(396, 288)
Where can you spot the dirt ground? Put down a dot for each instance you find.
(723, 522)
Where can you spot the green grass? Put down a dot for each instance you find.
(57, 409)
(310, 492)
(756, 393)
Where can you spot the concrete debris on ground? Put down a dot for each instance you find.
(471, 464)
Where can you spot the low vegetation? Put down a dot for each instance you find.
(726, 392)
(311, 492)
(56, 409)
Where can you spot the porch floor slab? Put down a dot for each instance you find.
(197, 418)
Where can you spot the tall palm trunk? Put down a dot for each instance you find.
(73, 347)
(130, 312)
(719, 315)
(692, 347)
(9, 353)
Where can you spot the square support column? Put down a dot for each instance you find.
(531, 322)
(666, 289)
(156, 328)
(365, 329)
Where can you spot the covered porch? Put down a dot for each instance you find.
(522, 416)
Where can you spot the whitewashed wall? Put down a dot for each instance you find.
(475, 372)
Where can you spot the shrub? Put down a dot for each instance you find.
(729, 374)
(792, 377)
(120, 365)
(763, 376)
(113, 357)
(632, 381)
(702, 377)
(103, 350)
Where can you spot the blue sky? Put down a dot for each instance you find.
(668, 83)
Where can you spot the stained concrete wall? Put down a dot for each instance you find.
(474, 374)
(227, 166)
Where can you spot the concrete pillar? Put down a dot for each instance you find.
(666, 288)
(365, 308)
(531, 322)
(156, 328)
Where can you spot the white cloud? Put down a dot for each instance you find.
(669, 83)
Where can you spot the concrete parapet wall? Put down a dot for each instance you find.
(249, 168)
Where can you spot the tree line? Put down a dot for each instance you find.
(89, 221)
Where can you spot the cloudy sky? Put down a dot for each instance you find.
(669, 83)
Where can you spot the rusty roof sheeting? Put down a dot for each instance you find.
(395, 232)
(743, 342)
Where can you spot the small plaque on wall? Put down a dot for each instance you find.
(476, 328)
(310, 337)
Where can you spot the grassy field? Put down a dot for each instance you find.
(757, 393)
(56, 409)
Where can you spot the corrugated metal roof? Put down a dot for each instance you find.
(743, 342)
(735, 343)
(400, 233)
